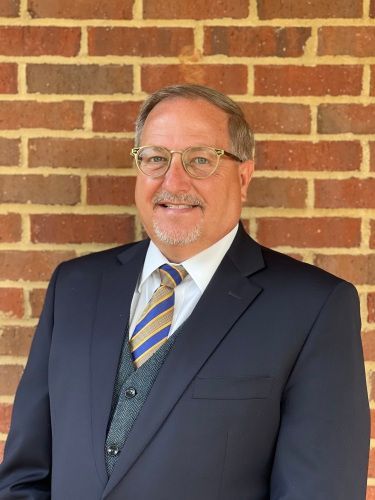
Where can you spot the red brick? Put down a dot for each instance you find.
(82, 228)
(30, 265)
(80, 153)
(277, 118)
(170, 9)
(301, 155)
(274, 192)
(147, 42)
(371, 308)
(9, 378)
(359, 269)
(345, 193)
(371, 467)
(341, 118)
(110, 190)
(261, 41)
(10, 228)
(5, 416)
(372, 155)
(39, 40)
(36, 301)
(372, 236)
(79, 79)
(370, 489)
(372, 8)
(83, 9)
(11, 302)
(308, 80)
(372, 82)
(368, 341)
(66, 115)
(309, 232)
(15, 340)
(9, 8)
(227, 78)
(114, 116)
(357, 41)
(8, 78)
(273, 9)
(50, 190)
(9, 152)
(373, 426)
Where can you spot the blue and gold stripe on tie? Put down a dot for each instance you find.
(153, 327)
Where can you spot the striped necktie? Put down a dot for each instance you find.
(152, 329)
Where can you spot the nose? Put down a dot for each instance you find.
(176, 179)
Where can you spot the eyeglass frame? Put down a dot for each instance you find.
(219, 152)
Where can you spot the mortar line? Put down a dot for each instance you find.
(84, 44)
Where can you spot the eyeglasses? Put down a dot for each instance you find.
(198, 161)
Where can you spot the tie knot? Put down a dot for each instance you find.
(171, 276)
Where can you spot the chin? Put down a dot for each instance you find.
(176, 236)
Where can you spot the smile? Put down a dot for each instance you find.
(182, 201)
(177, 207)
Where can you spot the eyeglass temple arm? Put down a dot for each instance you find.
(230, 155)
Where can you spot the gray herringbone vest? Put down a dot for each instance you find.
(130, 392)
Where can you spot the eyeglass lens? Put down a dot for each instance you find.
(198, 161)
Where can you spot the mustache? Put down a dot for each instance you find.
(178, 199)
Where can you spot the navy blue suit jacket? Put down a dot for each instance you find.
(262, 397)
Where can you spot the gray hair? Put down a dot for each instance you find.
(241, 136)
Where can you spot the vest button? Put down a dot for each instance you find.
(130, 392)
(113, 450)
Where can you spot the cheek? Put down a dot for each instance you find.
(138, 193)
(142, 201)
(226, 189)
(144, 190)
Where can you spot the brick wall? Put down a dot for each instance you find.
(72, 75)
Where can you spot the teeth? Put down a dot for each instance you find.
(178, 206)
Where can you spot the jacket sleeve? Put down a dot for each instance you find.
(26, 468)
(323, 443)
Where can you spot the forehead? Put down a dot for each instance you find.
(195, 120)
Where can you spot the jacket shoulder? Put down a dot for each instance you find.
(98, 261)
(295, 273)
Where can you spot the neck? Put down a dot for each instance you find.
(179, 253)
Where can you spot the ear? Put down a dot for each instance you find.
(246, 170)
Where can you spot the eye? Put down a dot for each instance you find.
(153, 159)
(156, 159)
(200, 160)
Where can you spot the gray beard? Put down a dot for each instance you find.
(177, 237)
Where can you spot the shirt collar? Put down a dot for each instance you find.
(201, 267)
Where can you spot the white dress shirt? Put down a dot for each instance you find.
(201, 267)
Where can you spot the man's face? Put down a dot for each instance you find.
(181, 214)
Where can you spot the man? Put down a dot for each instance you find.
(197, 366)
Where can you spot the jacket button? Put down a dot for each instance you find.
(113, 450)
(130, 392)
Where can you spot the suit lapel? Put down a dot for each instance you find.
(111, 319)
(228, 295)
